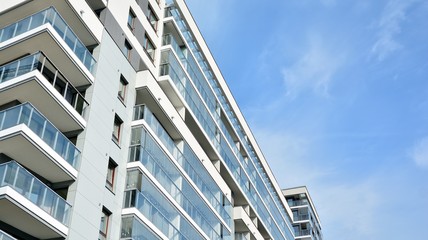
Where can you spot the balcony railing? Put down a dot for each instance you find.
(190, 163)
(134, 229)
(18, 178)
(295, 203)
(31, 117)
(38, 61)
(52, 17)
(158, 163)
(301, 217)
(170, 223)
(302, 232)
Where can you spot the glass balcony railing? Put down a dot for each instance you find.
(15, 176)
(32, 118)
(170, 66)
(190, 163)
(52, 17)
(301, 217)
(38, 61)
(159, 210)
(5, 236)
(158, 163)
(302, 232)
(295, 203)
(194, 72)
(132, 229)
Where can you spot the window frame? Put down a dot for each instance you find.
(103, 229)
(148, 42)
(151, 13)
(123, 87)
(117, 128)
(128, 47)
(131, 20)
(111, 174)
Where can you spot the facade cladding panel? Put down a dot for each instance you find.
(116, 123)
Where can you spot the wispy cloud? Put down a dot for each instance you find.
(419, 153)
(389, 26)
(313, 71)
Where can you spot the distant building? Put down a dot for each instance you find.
(306, 222)
(116, 123)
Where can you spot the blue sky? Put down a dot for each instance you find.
(336, 92)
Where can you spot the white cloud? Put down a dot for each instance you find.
(420, 153)
(313, 71)
(389, 26)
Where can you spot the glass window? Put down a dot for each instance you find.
(149, 47)
(153, 19)
(105, 216)
(117, 128)
(131, 20)
(122, 88)
(111, 172)
(127, 49)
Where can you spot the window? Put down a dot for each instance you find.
(153, 19)
(127, 49)
(117, 128)
(111, 172)
(131, 20)
(149, 47)
(105, 217)
(122, 88)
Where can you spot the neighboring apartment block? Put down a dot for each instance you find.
(116, 123)
(306, 223)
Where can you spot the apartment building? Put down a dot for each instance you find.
(116, 123)
(306, 222)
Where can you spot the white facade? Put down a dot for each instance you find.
(116, 123)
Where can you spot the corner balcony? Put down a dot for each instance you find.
(35, 79)
(47, 31)
(29, 138)
(29, 205)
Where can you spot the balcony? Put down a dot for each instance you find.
(302, 232)
(29, 205)
(35, 79)
(5, 236)
(48, 32)
(295, 203)
(244, 223)
(188, 160)
(132, 228)
(28, 137)
(301, 217)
